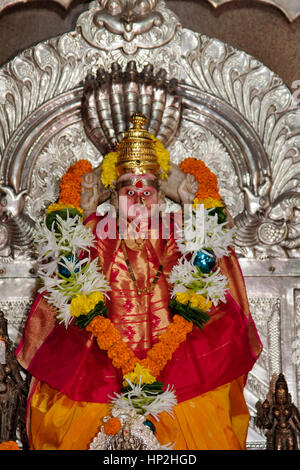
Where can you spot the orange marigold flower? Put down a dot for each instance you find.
(112, 426)
(107, 339)
(129, 366)
(159, 353)
(119, 349)
(152, 366)
(169, 340)
(183, 323)
(70, 185)
(9, 445)
(98, 325)
(208, 182)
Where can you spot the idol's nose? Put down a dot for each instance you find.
(139, 199)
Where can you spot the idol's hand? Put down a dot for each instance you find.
(93, 192)
(187, 189)
(89, 192)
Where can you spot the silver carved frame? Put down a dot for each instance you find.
(238, 116)
(290, 8)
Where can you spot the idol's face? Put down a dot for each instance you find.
(137, 195)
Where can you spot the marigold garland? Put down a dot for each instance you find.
(208, 202)
(163, 157)
(139, 374)
(108, 169)
(9, 445)
(109, 339)
(70, 186)
(134, 370)
(208, 183)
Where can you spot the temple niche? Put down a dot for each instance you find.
(233, 112)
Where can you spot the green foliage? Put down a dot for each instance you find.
(195, 315)
(83, 320)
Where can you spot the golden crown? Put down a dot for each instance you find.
(136, 153)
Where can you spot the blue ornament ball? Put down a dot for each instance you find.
(150, 425)
(204, 261)
(62, 269)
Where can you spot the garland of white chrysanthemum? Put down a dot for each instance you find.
(192, 287)
(59, 246)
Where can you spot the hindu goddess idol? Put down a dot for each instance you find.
(152, 331)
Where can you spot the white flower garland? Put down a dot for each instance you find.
(202, 232)
(67, 237)
(148, 403)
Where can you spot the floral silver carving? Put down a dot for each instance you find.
(272, 184)
(9, 3)
(197, 142)
(62, 150)
(134, 434)
(127, 25)
(266, 315)
(16, 312)
(296, 340)
(290, 8)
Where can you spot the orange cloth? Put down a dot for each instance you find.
(216, 420)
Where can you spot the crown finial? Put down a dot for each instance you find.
(139, 121)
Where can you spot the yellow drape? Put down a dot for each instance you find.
(216, 420)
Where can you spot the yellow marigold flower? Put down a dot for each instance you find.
(183, 297)
(199, 301)
(138, 373)
(58, 206)
(84, 304)
(163, 157)
(109, 173)
(209, 202)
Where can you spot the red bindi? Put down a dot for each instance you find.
(139, 184)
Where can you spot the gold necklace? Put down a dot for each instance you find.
(145, 290)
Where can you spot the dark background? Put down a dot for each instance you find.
(258, 29)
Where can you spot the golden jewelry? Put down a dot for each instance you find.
(136, 153)
(139, 290)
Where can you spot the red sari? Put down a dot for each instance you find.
(73, 377)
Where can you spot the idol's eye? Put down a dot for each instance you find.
(147, 193)
(130, 192)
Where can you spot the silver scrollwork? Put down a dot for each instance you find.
(290, 8)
